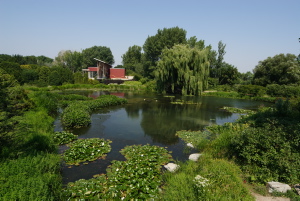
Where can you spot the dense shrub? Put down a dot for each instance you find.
(77, 114)
(268, 154)
(251, 90)
(45, 100)
(289, 91)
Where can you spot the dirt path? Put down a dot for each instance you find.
(269, 198)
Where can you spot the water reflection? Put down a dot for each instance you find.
(149, 119)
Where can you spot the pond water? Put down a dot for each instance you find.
(149, 119)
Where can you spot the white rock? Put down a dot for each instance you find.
(277, 186)
(194, 157)
(172, 167)
(190, 145)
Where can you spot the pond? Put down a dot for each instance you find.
(149, 119)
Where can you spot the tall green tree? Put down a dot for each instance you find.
(154, 45)
(183, 69)
(217, 60)
(132, 57)
(69, 59)
(99, 52)
(13, 69)
(44, 61)
(228, 74)
(280, 69)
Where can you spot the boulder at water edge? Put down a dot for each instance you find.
(194, 157)
(190, 145)
(172, 167)
(274, 186)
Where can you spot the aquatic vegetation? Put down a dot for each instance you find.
(63, 137)
(139, 177)
(198, 139)
(83, 150)
(77, 114)
(238, 110)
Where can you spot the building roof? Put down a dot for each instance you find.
(102, 61)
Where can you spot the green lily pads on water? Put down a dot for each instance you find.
(83, 150)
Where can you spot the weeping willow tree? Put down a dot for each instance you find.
(183, 69)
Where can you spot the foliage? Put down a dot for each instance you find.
(99, 52)
(238, 110)
(198, 139)
(280, 69)
(154, 45)
(228, 74)
(95, 188)
(77, 114)
(268, 154)
(63, 137)
(251, 90)
(138, 177)
(89, 149)
(71, 60)
(45, 100)
(183, 70)
(29, 76)
(29, 178)
(13, 69)
(208, 179)
(289, 91)
(80, 78)
(132, 57)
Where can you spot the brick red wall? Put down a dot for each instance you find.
(117, 73)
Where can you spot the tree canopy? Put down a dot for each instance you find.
(100, 52)
(69, 59)
(132, 57)
(280, 69)
(183, 69)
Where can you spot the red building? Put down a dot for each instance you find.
(117, 73)
(105, 71)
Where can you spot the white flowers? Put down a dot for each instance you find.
(201, 182)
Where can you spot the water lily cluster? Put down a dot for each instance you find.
(138, 177)
(83, 150)
(64, 137)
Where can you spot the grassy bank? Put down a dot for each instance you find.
(30, 165)
(260, 147)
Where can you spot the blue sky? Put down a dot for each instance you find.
(252, 30)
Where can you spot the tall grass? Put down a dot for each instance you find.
(33, 177)
(30, 166)
(222, 181)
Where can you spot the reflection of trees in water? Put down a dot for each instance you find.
(161, 121)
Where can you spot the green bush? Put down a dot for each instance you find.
(45, 100)
(289, 91)
(77, 114)
(251, 90)
(268, 154)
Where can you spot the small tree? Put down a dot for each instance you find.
(183, 70)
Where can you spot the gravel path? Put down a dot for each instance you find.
(268, 198)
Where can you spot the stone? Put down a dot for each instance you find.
(172, 167)
(190, 145)
(274, 186)
(297, 188)
(194, 157)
